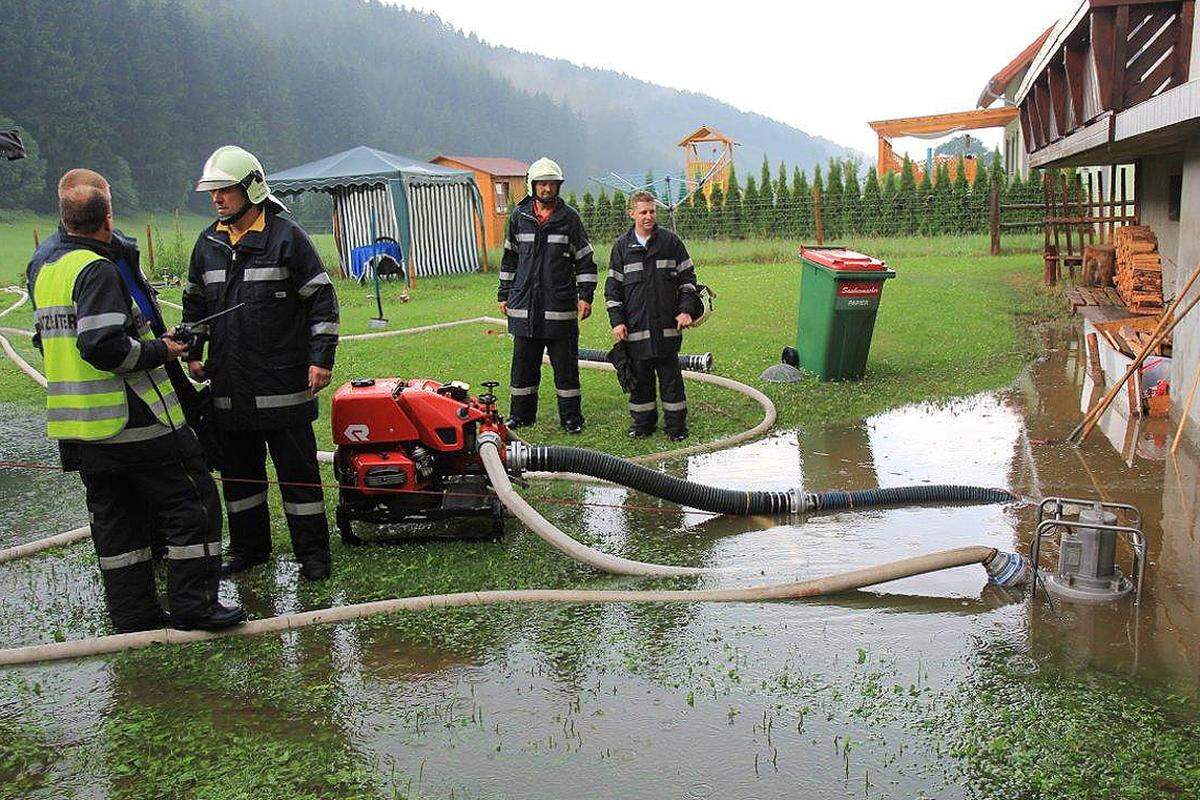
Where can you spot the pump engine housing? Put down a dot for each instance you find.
(406, 454)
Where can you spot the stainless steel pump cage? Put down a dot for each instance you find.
(1050, 518)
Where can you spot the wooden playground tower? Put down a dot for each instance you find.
(932, 127)
(708, 156)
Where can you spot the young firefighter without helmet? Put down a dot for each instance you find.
(233, 166)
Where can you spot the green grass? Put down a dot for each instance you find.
(236, 719)
(25, 759)
(227, 750)
(173, 234)
(1059, 732)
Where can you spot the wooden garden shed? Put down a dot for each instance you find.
(501, 182)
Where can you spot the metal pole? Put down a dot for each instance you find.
(375, 268)
(671, 203)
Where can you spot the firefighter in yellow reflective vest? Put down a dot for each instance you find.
(115, 415)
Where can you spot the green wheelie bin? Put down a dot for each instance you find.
(839, 297)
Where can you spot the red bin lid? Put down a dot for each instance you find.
(845, 260)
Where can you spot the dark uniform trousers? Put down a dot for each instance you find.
(527, 374)
(642, 407)
(244, 474)
(181, 502)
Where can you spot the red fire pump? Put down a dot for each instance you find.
(406, 452)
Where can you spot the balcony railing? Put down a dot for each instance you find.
(1110, 55)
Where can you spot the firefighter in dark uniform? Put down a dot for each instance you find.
(266, 360)
(547, 280)
(651, 299)
(118, 422)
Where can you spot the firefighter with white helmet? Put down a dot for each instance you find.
(267, 358)
(547, 280)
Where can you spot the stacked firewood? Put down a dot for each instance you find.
(1139, 269)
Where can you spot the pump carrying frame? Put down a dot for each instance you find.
(1051, 518)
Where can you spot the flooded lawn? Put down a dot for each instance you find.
(934, 686)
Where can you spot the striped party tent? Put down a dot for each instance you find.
(435, 213)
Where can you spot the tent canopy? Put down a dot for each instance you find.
(363, 166)
(434, 212)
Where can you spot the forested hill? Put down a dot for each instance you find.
(617, 106)
(143, 90)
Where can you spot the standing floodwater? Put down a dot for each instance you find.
(35, 502)
(935, 686)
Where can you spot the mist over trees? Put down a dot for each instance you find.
(144, 90)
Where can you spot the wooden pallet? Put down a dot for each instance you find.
(1091, 296)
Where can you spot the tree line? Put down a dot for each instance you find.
(145, 90)
(780, 203)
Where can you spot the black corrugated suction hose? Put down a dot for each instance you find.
(925, 494)
(732, 501)
(658, 484)
(694, 363)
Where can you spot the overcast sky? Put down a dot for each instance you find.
(826, 68)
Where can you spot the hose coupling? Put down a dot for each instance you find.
(517, 457)
(1007, 569)
(488, 437)
(697, 363)
(803, 502)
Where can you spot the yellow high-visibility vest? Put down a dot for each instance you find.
(83, 402)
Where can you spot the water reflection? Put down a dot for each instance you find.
(36, 503)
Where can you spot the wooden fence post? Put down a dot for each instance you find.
(1068, 261)
(994, 217)
(150, 247)
(818, 215)
(1050, 251)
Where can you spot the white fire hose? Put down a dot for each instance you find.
(489, 452)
